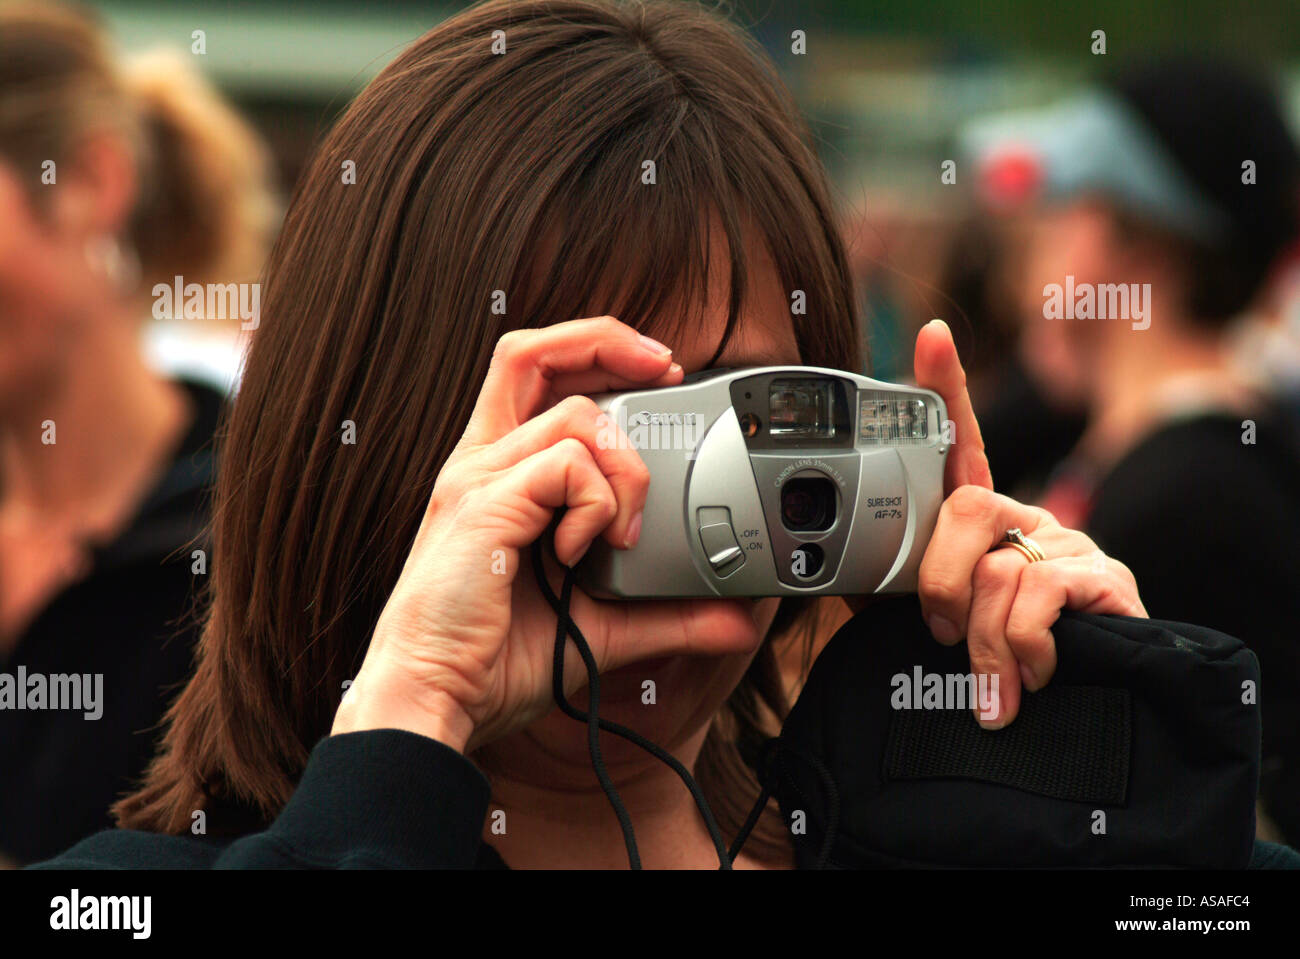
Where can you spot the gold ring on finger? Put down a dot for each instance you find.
(1022, 544)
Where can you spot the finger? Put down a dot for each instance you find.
(938, 368)
(1074, 582)
(995, 583)
(577, 417)
(694, 627)
(526, 364)
(970, 522)
(601, 381)
(564, 474)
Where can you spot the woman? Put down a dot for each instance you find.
(1188, 469)
(412, 414)
(112, 178)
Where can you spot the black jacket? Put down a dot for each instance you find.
(379, 799)
(1209, 526)
(128, 620)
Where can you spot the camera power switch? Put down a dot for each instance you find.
(719, 541)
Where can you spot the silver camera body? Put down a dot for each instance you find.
(775, 481)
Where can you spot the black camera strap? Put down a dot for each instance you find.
(566, 626)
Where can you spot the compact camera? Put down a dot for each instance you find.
(775, 481)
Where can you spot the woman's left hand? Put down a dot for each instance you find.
(1002, 604)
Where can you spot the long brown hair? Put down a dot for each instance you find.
(378, 309)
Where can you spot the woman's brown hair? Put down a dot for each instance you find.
(426, 205)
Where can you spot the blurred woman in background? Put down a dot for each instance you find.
(1176, 183)
(112, 178)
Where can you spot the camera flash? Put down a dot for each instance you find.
(887, 419)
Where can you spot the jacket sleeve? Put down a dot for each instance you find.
(381, 799)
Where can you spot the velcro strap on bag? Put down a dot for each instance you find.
(1142, 751)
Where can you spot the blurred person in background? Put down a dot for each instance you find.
(980, 279)
(1179, 180)
(113, 177)
(1269, 340)
(962, 264)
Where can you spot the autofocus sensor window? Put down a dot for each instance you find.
(808, 504)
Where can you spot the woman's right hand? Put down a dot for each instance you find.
(459, 653)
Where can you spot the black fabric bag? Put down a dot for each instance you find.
(1142, 751)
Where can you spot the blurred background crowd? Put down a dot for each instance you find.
(982, 154)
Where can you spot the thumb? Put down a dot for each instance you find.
(938, 368)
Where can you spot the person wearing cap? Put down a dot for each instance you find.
(1161, 204)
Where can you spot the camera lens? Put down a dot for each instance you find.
(808, 504)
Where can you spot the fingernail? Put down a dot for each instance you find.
(633, 532)
(944, 630)
(675, 369)
(940, 322)
(577, 557)
(1027, 678)
(653, 346)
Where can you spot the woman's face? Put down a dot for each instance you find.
(45, 289)
(688, 691)
(1072, 240)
